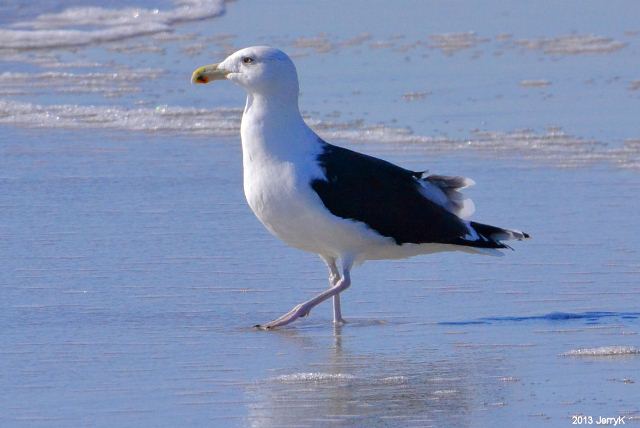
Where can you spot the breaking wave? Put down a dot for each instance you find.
(80, 26)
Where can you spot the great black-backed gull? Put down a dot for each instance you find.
(345, 206)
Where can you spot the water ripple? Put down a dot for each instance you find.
(589, 316)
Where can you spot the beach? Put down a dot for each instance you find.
(134, 271)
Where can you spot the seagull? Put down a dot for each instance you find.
(345, 206)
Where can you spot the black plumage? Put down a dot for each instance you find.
(387, 199)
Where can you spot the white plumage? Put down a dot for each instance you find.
(344, 206)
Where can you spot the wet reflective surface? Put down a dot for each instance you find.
(133, 269)
(134, 272)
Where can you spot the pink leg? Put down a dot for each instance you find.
(303, 309)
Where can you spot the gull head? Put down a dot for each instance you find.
(258, 69)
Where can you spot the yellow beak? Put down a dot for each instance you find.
(208, 73)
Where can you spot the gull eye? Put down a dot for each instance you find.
(247, 60)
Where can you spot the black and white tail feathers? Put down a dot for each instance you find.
(497, 233)
(492, 236)
(446, 190)
(408, 206)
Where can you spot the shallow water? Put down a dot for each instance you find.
(133, 269)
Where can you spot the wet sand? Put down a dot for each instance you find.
(133, 269)
(133, 272)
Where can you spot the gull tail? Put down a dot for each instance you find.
(447, 191)
(492, 236)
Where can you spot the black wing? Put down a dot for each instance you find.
(387, 199)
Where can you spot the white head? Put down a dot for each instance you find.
(259, 70)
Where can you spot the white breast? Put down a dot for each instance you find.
(280, 155)
(281, 197)
(279, 194)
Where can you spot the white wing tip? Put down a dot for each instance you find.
(468, 182)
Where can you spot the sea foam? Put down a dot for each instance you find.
(218, 122)
(552, 146)
(603, 351)
(314, 377)
(222, 122)
(116, 83)
(78, 26)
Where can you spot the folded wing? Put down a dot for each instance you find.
(402, 204)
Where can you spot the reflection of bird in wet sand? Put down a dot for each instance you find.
(340, 387)
(345, 206)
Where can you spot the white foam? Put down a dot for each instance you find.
(109, 84)
(218, 122)
(603, 351)
(314, 377)
(394, 380)
(445, 392)
(552, 146)
(450, 43)
(575, 44)
(319, 377)
(79, 26)
(323, 44)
